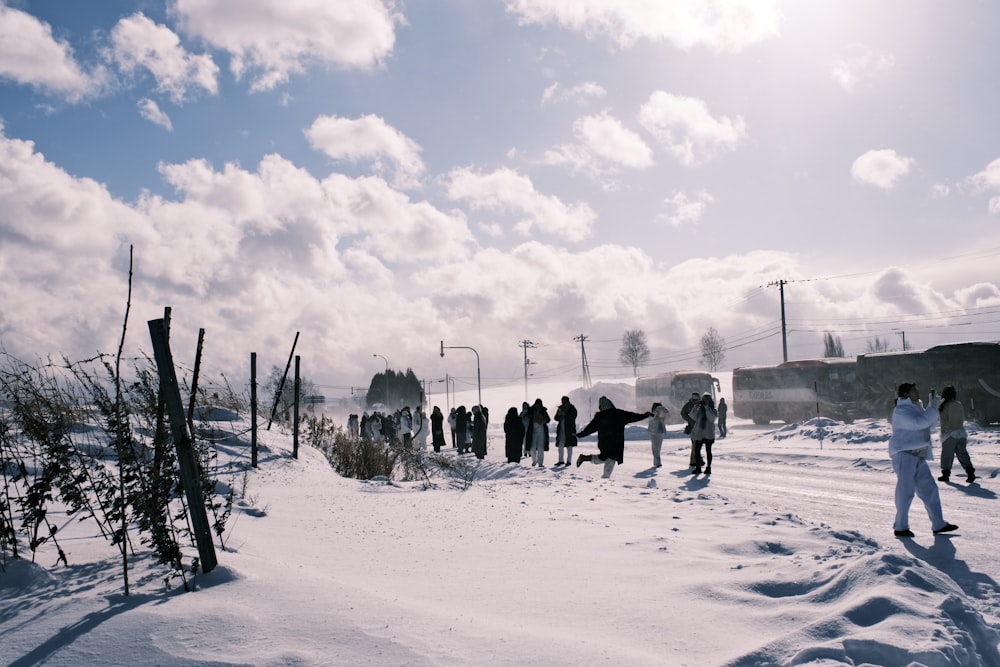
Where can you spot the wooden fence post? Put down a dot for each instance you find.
(194, 380)
(295, 412)
(253, 409)
(182, 441)
(281, 385)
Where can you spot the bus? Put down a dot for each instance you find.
(796, 390)
(972, 368)
(673, 389)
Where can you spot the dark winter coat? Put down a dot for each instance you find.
(480, 419)
(610, 427)
(539, 419)
(513, 430)
(437, 430)
(462, 428)
(566, 416)
(686, 413)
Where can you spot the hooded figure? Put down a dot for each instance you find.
(437, 429)
(513, 430)
(609, 423)
(480, 418)
(538, 432)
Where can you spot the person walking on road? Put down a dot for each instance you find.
(704, 414)
(910, 448)
(953, 436)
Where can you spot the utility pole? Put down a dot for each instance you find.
(784, 332)
(583, 360)
(526, 344)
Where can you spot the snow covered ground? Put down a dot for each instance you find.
(785, 556)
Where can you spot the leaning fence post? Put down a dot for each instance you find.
(281, 384)
(182, 441)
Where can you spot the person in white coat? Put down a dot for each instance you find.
(420, 430)
(703, 433)
(910, 448)
(657, 428)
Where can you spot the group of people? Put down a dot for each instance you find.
(527, 433)
(409, 427)
(910, 448)
(703, 421)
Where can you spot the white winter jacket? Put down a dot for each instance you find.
(911, 428)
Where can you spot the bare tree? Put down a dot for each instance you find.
(634, 350)
(877, 344)
(713, 349)
(832, 347)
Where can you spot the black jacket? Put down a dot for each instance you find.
(610, 426)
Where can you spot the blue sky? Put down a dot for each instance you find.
(382, 176)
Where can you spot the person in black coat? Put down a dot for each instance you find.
(538, 432)
(437, 429)
(480, 418)
(609, 423)
(462, 429)
(566, 430)
(513, 430)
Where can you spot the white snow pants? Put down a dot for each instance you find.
(609, 465)
(538, 447)
(656, 442)
(913, 475)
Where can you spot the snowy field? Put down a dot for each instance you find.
(784, 556)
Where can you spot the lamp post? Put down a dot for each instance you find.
(386, 379)
(479, 382)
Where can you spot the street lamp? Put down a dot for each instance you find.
(386, 379)
(479, 382)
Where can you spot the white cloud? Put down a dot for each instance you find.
(270, 41)
(859, 66)
(882, 168)
(580, 93)
(940, 190)
(29, 54)
(899, 290)
(686, 128)
(987, 180)
(682, 210)
(721, 26)
(604, 146)
(368, 138)
(506, 191)
(979, 295)
(151, 111)
(138, 42)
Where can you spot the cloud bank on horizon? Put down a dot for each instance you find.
(382, 176)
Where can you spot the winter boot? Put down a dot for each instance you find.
(583, 457)
(945, 475)
(972, 475)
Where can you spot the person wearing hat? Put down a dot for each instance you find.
(909, 450)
